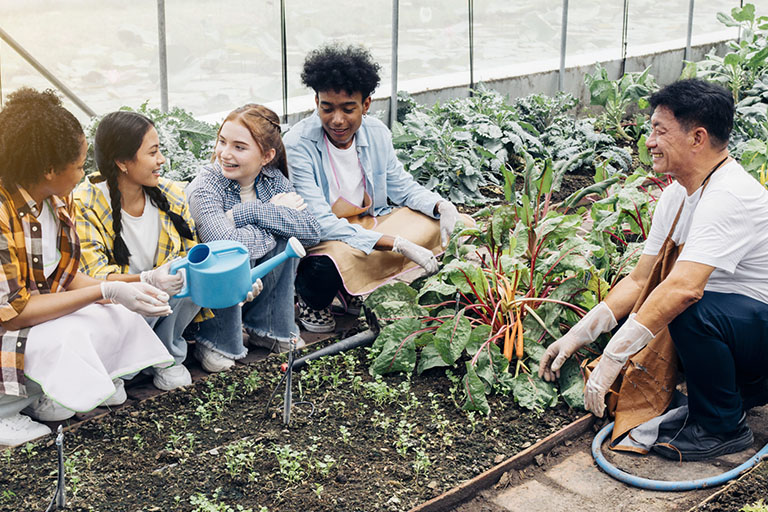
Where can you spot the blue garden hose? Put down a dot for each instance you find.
(664, 485)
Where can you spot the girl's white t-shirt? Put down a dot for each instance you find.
(49, 235)
(349, 174)
(723, 226)
(141, 234)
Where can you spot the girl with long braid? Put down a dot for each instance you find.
(132, 223)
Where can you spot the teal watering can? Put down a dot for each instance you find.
(219, 274)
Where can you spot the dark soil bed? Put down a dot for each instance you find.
(748, 490)
(370, 445)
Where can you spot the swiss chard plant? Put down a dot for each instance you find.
(498, 300)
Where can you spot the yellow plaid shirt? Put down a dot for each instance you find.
(93, 217)
(22, 274)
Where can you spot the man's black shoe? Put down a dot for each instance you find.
(695, 443)
(755, 393)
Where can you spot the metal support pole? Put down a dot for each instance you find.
(284, 59)
(47, 74)
(163, 55)
(393, 92)
(563, 37)
(690, 32)
(471, 6)
(624, 40)
(61, 497)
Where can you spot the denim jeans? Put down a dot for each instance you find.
(722, 341)
(270, 314)
(169, 328)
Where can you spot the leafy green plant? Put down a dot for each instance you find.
(616, 96)
(204, 504)
(758, 506)
(240, 459)
(289, 463)
(746, 59)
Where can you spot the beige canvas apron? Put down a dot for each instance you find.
(362, 273)
(648, 380)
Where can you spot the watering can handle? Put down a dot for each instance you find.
(181, 265)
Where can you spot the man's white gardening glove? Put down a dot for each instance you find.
(289, 199)
(449, 216)
(627, 341)
(416, 253)
(161, 278)
(141, 298)
(599, 320)
(254, 292)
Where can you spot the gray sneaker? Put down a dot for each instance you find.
(19, 429)
(273, 345)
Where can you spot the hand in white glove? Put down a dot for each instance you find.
(416, 253)
(599, 320)
(141, 298)
(161, 278)
(449, 216)
(289, 199)
(254, 292)
(627, 341)
(599, 383)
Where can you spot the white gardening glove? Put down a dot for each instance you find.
(416, 253)
(627, 341)
(599, 383)
(289, 199)
(254, 292)
(449, 216)
(161, 278)
(599, 320)
(141, 298)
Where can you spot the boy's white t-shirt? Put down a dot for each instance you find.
(141, 234)
(349, 173)
(723, 226)
(49, 235)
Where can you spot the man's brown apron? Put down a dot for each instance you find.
(644, 389)
(362, 273)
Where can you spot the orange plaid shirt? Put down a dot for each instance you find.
(22, 275)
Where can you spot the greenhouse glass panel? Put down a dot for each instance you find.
(222, 54)
(705, 24)
(105, 51)
(594, 31)
(513, 37)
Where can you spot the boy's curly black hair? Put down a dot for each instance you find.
(37, 134)
(336, 67)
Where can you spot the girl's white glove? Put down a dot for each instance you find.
(141, 298)
(416, 253)
(161, 278)
(449, 216)
(290, 200)
(253, 292)
(599, 320)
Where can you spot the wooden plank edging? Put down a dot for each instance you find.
(489, 477)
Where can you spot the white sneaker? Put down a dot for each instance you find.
(19, 429)
(45, 409)
(211, 360)
(173, 377)
(119, 397)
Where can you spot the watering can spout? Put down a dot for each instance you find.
(293, 249)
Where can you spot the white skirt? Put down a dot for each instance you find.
(74, 358)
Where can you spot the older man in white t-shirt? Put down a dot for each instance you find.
(714, 300)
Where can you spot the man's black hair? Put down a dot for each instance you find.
(336, 67)
(695, 102)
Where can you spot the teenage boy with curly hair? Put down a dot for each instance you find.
(343, 164)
